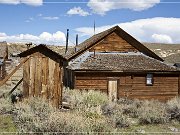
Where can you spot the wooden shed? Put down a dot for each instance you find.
(43, 74)
(119, 65)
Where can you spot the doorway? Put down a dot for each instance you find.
(112, 89)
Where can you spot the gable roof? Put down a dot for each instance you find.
(122, 62)
(98, 37)
(46, 50)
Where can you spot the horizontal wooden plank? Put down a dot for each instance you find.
(153, 97)
(91, 87)
(90, 78)
(113, 43)
(91, 82)
(151, 94)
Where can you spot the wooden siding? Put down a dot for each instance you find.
(113, 43)
(93, 83)
(131, 86)
(163, 88)
(42, 77)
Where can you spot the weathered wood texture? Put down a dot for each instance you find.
(164, 87)
(42, 78)
(113, 43)
(12, 72)
(132, 86)
(2, 71)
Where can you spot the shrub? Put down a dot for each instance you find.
(131, 109)
(120, 120)
(125, 101)
(173, 108)
(94, 98)
(64, 122)
(5, 106)
(35, 115)
(108, 109)
(31, 114)
(71, 122)
(92, 112)
(152, 112)
(73, 97)
(115, 114)
(82, 99)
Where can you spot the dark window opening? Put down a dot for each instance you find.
(149, 79)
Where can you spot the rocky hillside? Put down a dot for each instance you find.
(169, 52)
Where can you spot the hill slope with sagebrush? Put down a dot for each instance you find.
(169, 52)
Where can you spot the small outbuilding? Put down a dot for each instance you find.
(43, 74)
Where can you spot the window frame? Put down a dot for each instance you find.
(149, 79)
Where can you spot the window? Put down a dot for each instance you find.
(149, 79)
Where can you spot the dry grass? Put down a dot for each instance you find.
(91, 112)
(152, 112)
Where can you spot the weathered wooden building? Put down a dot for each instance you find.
(43, 74)
(117, 64)
(111, 61)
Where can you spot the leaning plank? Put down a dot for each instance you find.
(16, 68)
(20, 81)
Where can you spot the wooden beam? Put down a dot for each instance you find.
(16, 68)
(26, 76)
(15, 87)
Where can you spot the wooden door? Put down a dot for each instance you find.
(112, 89)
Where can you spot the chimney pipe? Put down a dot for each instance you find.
(94, 53)
(67, 38)
(76, 39)
(76, 42)
(6, 57)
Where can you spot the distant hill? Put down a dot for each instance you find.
(169, 52)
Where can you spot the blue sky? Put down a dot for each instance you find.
(45, 21)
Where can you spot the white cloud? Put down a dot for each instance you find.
(2, 34)
(50, 18)
(57, 38)
(162, 38)
(28, 2)
(39, 15)
(103, 6)
(159, 29)
(77, 11)
(30, 19)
